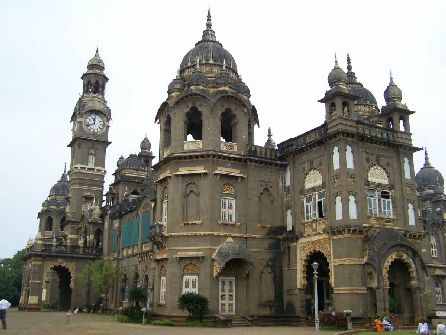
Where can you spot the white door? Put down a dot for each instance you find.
(227, 295)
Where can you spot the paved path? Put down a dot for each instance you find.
(48, 323)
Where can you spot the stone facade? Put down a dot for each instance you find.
(242, 224)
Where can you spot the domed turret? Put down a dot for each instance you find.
(197, 78)
(393, 93)
(177, 84)
(429, 178)
(337, 76)
(357, 88)
(133, 162)
(61, 187)
(96, 63)
(145, 144)
(120, 160)
(242, 88)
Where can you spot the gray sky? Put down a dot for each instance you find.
(284, 51)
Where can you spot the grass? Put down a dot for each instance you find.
(161, 322)
(197, 323)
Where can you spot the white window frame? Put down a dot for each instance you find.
(386, 205)
(164, 211)
(336, 164)
(349, 157)
(91, 160)
(287, 176)
(372, 203)
(434, 246)
(227, 209)
(352, 208)
(439, 293)
(338, 207)
(226, 301)
(411, 214)
(163, 289)
(406, 164)
(311, 205)
(190, 284)
(289, 220)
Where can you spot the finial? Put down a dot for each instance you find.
(178, 77)
(270, 143)
(209, 21)
(65, 168)
(426, 158)
(97, 52)
(349, 62)
(188, 60)
(224, 64)
(336, 60)
(391, 77)
(198, 62)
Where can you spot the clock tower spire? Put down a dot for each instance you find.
(91, 119)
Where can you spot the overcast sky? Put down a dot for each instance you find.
(284, 51)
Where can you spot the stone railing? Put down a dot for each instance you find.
(259, 151)
(193, 145)
(228, 146)
(375, 132)
(303, 140)
(62, 249)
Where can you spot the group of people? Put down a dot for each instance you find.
(384, 325)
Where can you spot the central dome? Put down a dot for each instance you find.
(208, 51)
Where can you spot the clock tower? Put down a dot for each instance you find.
(91, 120)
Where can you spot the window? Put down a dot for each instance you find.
(349, 157)
(190, 284)
(372, 203)
(335, 158)
(352, 210)
(439, 293)
(338, 208)
(163, 289)
(228, 126)
(434, 249)
(287, 176)
(406, 168)
(91, 158)
(164, 213)
(386, 204)
(314, 206)
(194, 124)
(49, 224)
(228, 209)
(289, 220)
(411, 214)
(63, 223)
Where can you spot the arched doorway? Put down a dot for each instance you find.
(324, 289)
(64, 289)
(400, 291)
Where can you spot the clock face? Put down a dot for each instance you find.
(94, 123)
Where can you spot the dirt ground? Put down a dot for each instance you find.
(48, 323)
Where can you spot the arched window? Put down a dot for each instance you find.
(386, 204)
(124, 289)
(389, 123)
(349, 157)
(49, 224)
(62, 224)
(335, 158)
(411, 214)
(136, 280)
(190, 279)
(287, 176)
(352, 210)
(406, 168)
(289, 220)
(164, 207)
(332, 110)
(91, 157)
(345, 109)
(227, 207)
(167, 131)
(228, 126)
(403, 125)
(163, 285)
(434, 247)
(338, 208)
(194, 125)
(192, 203)
(96, 87)
(439, 293)
(266, 207)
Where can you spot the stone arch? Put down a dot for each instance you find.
(313, 179)
(191, 207)
(401, 255)
(305, 252)
(228, 125)
(193, 124)
(266, 207)
(68, 265)
(266, 283)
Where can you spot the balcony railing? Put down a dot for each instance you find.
(63, 249)
(193, 145)
(228, 146)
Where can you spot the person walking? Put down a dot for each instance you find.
(4, 305)
(423, 328)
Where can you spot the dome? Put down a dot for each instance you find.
(224, 79)
(337, 76)
(356, 88)
(120, 160)
(96, 62)
(428, 176)
(393, 93)
(176, 84)
(197, 78)
(133, 162)
(208, 50)
(242, 88)
(61, 187)
(145, 144)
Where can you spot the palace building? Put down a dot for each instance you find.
(239, 223)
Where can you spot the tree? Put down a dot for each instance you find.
(195, 304)
(138, 295)
(102, 275)
(11, 270)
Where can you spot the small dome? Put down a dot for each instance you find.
(61, 187)
(224, 79)
(145, 144)
(337, 76)
(96, 63)
(242, 88)
(120, 160)
(356, 88)
(176, 84)
(197, 78)
(133, 162)
(208, 50)
(428, 176)
(393, 93)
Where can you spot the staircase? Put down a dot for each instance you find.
(240, 322)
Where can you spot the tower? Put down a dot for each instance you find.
(91, 119)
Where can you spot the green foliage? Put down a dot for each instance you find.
(138, 295)
(333, 319)
(195, 304)
(197, 323)
(162, 322)
(101, 274)
(123, 318)
(133, 313)
(11, 270)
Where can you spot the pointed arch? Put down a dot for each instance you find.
(266, 201)
(401, 255)
(191, 202)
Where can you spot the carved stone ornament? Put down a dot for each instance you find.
(401, 255)
(378, 175)
(190, 269)
(228, 251)
(306, 249)
(156, 233)
(313, 179)
(228, 189)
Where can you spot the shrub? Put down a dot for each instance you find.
(122, 318)
(195, 304)
(162, 322)
(133, 313)
(197, 323)
(138, 295)
(334, 319)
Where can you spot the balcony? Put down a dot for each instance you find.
(193, 145)
(61, 250)
(262, 152)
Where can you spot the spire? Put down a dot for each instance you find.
(426, 158)
(97, 52)
(351, 76)
(65, 168)
(336, 60)
(270, 143)
(349, 62)
(208, 33)
(391, 77)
